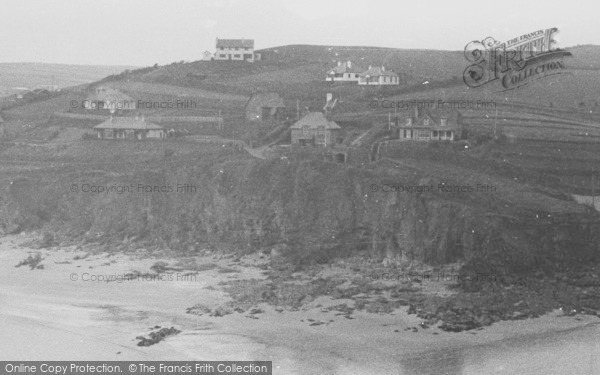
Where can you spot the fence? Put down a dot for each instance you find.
(157, 119)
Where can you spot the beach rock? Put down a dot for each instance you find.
(198, 309)
(157, 336)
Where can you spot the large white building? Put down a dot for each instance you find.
(235, 49)
(344, 72)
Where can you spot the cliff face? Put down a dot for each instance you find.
(310, 211)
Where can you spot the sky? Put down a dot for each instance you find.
(145, 32)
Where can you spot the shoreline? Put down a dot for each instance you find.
(55, 317)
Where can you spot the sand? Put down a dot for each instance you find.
(46, 315)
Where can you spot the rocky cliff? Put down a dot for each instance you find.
(310, 211)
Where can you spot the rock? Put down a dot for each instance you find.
(156, 337)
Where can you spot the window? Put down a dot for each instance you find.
(356, 75)
(408, 122)
(424, 134)
(435, 134)
(443, 121)
(305, 129)
(237, 56)
(449, 134)
(222, 55)
(426, 122)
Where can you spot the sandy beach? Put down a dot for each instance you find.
(60, 313)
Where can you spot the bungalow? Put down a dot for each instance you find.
(315, 128)
(235, 49)
(378, 76)
(264, 107)
(129, 128)
(343, 72)
(426, 125)
(109, 98)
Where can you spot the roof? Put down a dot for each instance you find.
(377, 71)
(265, 99)
(435, 116)
(314, 120)
(343, 68)
(235, 43)
(131, 123)
(107, 94)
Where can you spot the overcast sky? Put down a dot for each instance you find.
(144, 32)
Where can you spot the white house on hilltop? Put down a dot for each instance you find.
(236, 50)
(343, 72)
(378, 76)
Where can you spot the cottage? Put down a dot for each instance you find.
(129, 128)
(316, 129)
(343, 72)
(265, 107)
(425, 125)
(378, 76)
(207, 56)
(235, 49)
(110, 99)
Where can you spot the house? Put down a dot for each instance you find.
(265, 107)
(207, 56)
(129, 128)
(429, 125)
(316, 129)
(235, 49)
(108, 98)
(378, 76)
(343, 72)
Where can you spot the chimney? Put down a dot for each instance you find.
(329, 97)
(349, 64)
(339, 63)
(370, 67)
(416, 113)
(383, 68)
(143, 119)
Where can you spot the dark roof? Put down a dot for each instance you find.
(235, 43)
(377, 71)
(127, 123)
(107, 94)
(314, 120)
(343, 68)
(265, 99)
